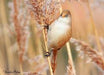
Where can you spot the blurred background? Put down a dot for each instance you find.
(22, 45)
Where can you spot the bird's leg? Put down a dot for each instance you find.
(53, 61)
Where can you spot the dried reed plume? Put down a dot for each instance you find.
(92, 41)
(87, 51)
(40, 67)
(45, 11)
(20, 20)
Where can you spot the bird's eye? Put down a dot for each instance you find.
(65, 13)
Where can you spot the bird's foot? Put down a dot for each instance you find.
(47, 54)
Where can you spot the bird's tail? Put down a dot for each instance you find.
(53, 60)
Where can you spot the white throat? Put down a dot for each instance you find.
(58, 29)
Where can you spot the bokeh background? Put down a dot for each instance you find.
(21, 37)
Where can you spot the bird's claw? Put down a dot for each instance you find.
(47, 54)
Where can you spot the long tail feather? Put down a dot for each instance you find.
(53, 61)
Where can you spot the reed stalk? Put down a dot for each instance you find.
(6, 39)
(1, 71)
(38, 43)
(94, 27)
(46, 48)
(71, 69)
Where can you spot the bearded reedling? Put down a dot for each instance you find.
(59, 32)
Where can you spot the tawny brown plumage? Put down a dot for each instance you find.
(59, 33)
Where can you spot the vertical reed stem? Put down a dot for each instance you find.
(70, 61)
(48, 58)
(5, 36)
(94, 28)
(21, 70)
(1, 71)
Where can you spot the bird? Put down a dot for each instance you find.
(59, 33)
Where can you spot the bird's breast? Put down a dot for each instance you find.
(58, 34)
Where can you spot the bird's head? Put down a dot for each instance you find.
(65, 16)
(66, 13)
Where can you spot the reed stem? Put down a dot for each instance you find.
(21, 70)
(94, 27)
(70, 61)
(1, 71)
(5, 37)
(48, 58)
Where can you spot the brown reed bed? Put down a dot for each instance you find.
(85, 49)
(43, 16)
